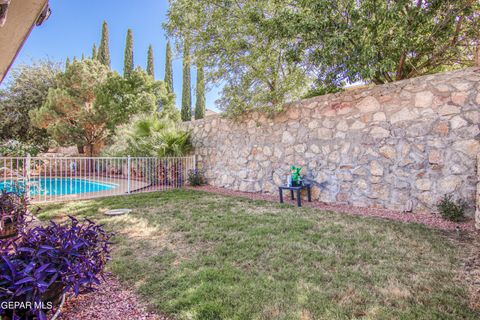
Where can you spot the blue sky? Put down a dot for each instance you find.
(75, 25)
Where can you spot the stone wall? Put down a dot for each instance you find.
(395, 146)
(477, 211)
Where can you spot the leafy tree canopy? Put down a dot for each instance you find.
(385, 41)
(15, 148)
(269, 52)
(71, 114)
(26, 90)
(123, 97)
(241, 47)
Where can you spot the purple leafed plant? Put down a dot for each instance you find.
(45, 262)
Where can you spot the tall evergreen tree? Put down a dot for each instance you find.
(104, 49)
(67, 63)
(94, 52)
(200, 88)
(186, 90)
(150, 67)
(128, 60)
(83, 56)
(168, 68)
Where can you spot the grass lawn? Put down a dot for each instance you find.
(197, 255)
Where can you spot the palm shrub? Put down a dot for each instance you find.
(154, 136)
(172, 142)
(151, 136)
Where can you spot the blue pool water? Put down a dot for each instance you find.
(58, 186)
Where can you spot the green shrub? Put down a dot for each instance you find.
(15, 148)
(450, 209)
(196, 177)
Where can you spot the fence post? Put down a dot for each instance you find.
(195, 161)
(128, 174)
(27, 174)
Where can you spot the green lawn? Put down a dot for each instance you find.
(196, 255)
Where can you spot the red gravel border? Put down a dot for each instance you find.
(428, 219)
(112, 301)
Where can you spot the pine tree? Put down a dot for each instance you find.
(104, 50)
(67, 63)
(128, 60)
(168, 68)
(94, 52)
(150, 67)
(200, 99)
(186, 90)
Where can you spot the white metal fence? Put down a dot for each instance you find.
(49, 179)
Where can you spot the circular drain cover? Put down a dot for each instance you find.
(117, 212)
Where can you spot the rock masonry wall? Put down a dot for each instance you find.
(394, 146)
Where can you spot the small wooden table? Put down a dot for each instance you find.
(298, 189)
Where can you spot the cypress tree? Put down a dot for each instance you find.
(150, 68)
(168, 68)
(94, 52)
(83, 56)
(104, 49)
(186, 90)
(128, 60)
(67, 63)
(200, 100)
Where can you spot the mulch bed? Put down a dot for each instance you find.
(112, 301)
(428, 219)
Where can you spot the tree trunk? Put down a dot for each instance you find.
(477, 55)
(90, 147)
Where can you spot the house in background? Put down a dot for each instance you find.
(17, 19)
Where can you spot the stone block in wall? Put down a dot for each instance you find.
(477, 197)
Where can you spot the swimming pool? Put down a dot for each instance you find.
(58, 186)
